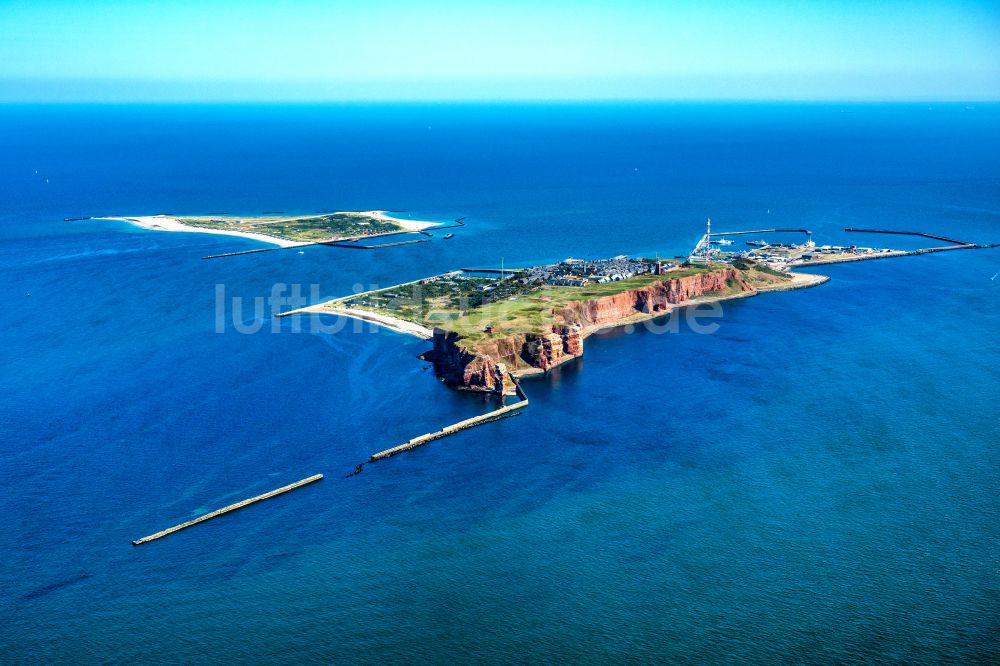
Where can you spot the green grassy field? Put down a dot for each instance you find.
(467, 305)
(306, 228)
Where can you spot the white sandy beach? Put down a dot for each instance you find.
(409, 225)
(798, 281)
(164, 223)
(392, 323)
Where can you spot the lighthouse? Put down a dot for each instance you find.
(708, 239)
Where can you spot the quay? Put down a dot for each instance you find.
(227, 509)
(701, 249)
(503, 412)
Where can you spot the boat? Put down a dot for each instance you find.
(758, 243)
(447, 236)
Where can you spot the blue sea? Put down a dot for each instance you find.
(815, 482)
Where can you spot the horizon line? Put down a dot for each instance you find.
(507, 100)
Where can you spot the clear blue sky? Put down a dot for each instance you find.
(446, 50)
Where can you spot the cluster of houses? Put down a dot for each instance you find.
(578, 272)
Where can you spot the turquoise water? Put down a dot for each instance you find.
(815, 482)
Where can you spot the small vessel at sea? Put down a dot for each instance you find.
(447, 236)
(758, 243)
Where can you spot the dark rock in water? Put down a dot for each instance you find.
(52, 587)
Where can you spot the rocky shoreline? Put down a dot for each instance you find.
(491, 365)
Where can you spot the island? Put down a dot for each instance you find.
(285, 230)
(491, 326)
(488, 327)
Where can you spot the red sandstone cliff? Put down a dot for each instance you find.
(486, 365)
(656, 297)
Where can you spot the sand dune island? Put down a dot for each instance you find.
(285, 230)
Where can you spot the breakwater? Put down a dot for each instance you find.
(946, 248)
(761, 231)
(458, 223)
(375, 247)
(234, 254)
(503, 412)
(333, 242)
(909, 233)
(227, 509)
